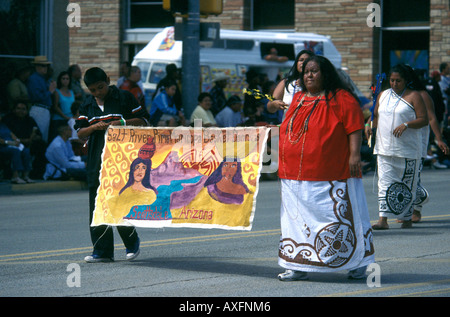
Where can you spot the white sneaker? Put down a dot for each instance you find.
(132, 256)
(96, 259)
(18, 180)
(290, 275)
(438, 165)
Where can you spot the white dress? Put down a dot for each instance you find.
(398, 158)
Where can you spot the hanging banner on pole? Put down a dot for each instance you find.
(180, 177)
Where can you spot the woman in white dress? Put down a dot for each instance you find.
(290, 85)
(399, 115)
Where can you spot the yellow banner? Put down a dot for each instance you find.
(180, 177)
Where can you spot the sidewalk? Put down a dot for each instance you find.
(41, 186)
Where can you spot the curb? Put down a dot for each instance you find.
(7, 188)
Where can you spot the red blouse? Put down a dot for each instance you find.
(320, 152)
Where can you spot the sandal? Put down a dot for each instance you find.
(416, 217)
(378, 226)
(407, 224)
(291, 275)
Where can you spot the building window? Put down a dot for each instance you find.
(398, 13)
(19, 28)
(148, 14)
(269, 14)
(405, 33)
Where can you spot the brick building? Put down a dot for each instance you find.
(112, 31)
(106, 39)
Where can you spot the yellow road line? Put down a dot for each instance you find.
(144, 244)
(155, 243)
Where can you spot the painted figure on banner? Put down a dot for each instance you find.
(138, 189)
(225, 184)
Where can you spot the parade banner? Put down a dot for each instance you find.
(180, 177)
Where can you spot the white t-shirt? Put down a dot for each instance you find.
(205, 115)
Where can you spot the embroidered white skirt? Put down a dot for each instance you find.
(325, 226)
(397, 186)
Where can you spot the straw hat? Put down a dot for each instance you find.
(41, 60)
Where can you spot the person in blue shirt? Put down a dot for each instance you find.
(231, 115)
(40, 91)
(11, 148)
(164, 109)
(62, 162)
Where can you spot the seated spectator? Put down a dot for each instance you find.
(163, 110)
(78, 145)
(63, 98)
(131, 84)
(271, 118)
(62, 162)
(26, 129)
(173, 74)
(231, 115)
(75, 82)
(17, 88)
(202, 111)
(255, 115)
(218, 94)
(124, 71)
(274, 57)
(12, 149)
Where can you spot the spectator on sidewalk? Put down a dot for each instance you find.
(27, 131)
(231, 115)
(12, 149)
(40, 91)
(131, 84)
(219, 100)
(62, 162)
(17, 88)
(75, 81)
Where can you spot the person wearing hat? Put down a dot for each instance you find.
(231, 115)
(40, 91)
(217, 93)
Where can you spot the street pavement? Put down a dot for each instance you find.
(44, 238)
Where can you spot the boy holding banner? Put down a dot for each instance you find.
(107, 105)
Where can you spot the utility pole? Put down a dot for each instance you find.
(191, 58)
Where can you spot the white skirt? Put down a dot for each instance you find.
(422, 195)
(325, 226)
(397, 186)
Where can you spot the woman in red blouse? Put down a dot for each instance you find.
(324, 217)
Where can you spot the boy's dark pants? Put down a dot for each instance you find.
(102, 236)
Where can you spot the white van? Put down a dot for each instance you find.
(233, 54)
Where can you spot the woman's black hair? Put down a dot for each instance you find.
(58, 80)
(203, 95)
(403, 70)
(413, 81)
(293, 73)
(331, 80)
(146, 181)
